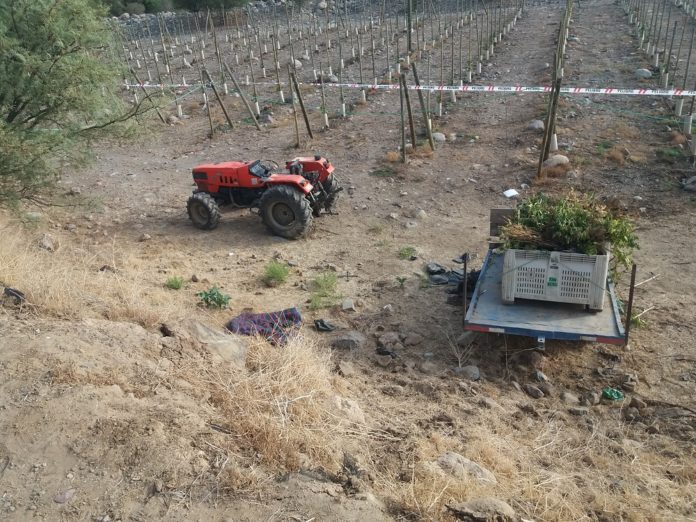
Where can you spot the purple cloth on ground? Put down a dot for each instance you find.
(273, 326)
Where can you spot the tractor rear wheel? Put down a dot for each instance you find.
(331, 187)
(203, 211)
(286, 211)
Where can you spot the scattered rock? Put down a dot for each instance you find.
(413, 339)
(462, 468)
(145, 237)
(470, 372)
(349, 340)
(466, 338)
(642, 74)
(322, 5)
(346, 369)
(428, 367)
(267, 118)
(630, 381)
(298, 64)
(533, 391)
(230, 347)
(48, 243)
(631, 414)
(452, 137)
(348, 305)
(419, 213)
(572, 174)
(172, 120)
(74, 191)
(483, 510)
(65, 496)
(590, 398)
(540, 376)
(536, 125)
(392, 390)
(689, 184)
(329, 78)
(569, 398)
(384, 360)
(578, 410)
(546, 388)
(439, 137)
(389, 341)
(637, 402)
(349, 408)
(194, 278)
(555, 160)
(490, 404)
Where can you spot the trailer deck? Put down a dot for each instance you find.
(543, 320)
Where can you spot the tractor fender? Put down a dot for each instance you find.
(294, 180)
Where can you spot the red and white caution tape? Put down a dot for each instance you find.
(511, 89)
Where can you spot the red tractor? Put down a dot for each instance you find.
(287, 199)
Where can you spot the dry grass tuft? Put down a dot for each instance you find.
(678, 138)
(617, 155)
(279, 408)
(69, 284)
(556, 171)
(422, 151)
(392, 156)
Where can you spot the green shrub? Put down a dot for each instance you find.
(135, 8)
(407, 252)
(578, 223)
(324, 293)
(175, 283)
(213, 298)
(275, 273)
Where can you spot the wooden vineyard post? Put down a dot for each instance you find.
(302, 105)
(550, 124)
(219, 99)
(407, 97)
(207, 106)
(244, 98)
(147, 96)
(294, 112)
(428, 130)
(403, 129)
(323, 97)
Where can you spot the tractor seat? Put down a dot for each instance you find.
(258, 170)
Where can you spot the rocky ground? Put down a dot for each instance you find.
(122, 401)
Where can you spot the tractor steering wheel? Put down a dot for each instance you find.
(269, 165)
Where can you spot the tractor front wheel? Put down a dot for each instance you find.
(203, 211)
(286, 211)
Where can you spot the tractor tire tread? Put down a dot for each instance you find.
(299, 204)
(205, 199)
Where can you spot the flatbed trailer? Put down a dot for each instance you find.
(486, 312)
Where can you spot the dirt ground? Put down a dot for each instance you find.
(105, 415)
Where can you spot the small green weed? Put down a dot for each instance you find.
(175, 283)
(275, 273)
(376, 229)
(638, 322)
(669, 154)
(401, 280)
(213, 298)
(407, 252)
(603, 147)
(324, 293)
(383, 172)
